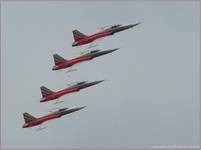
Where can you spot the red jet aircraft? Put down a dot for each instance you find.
(61, 63)
(48, 95)
(82, 39)
(31, 121)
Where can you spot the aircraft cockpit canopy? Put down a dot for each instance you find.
(80, 83)
(114, 26)
(62, 109)
(94, 51)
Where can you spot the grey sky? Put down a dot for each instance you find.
(150, 97)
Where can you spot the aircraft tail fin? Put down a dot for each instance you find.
(45, 91)
(78, 35)
(58, 59)
(28, 117)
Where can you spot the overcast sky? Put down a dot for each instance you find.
(151, 93)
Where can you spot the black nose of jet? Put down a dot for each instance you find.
(135, 24)
(112, 50)
(82, 107)
(97, 82)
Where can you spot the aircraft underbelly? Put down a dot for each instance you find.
(78, 60)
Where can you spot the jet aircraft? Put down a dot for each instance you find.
(48, 95)
(82, 39)
(31, 121)
(61, 63)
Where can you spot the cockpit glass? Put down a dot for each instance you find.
(79, 83)
(114, 26)
(94, 51)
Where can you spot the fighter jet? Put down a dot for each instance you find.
(61, 63)
(48, 95)
(31, 121)
(82, 39)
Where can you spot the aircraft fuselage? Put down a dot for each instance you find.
(86, 57)
(51, 116)
(106, 32)
(74, 88)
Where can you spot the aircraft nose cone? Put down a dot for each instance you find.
(116, 49)
(112, 50)
(79, 108)
(82, 107)
(135, 24)
(99, 81)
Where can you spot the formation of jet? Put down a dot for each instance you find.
(31, 121)
(61, 63)
(48, 95)
(82, 39)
